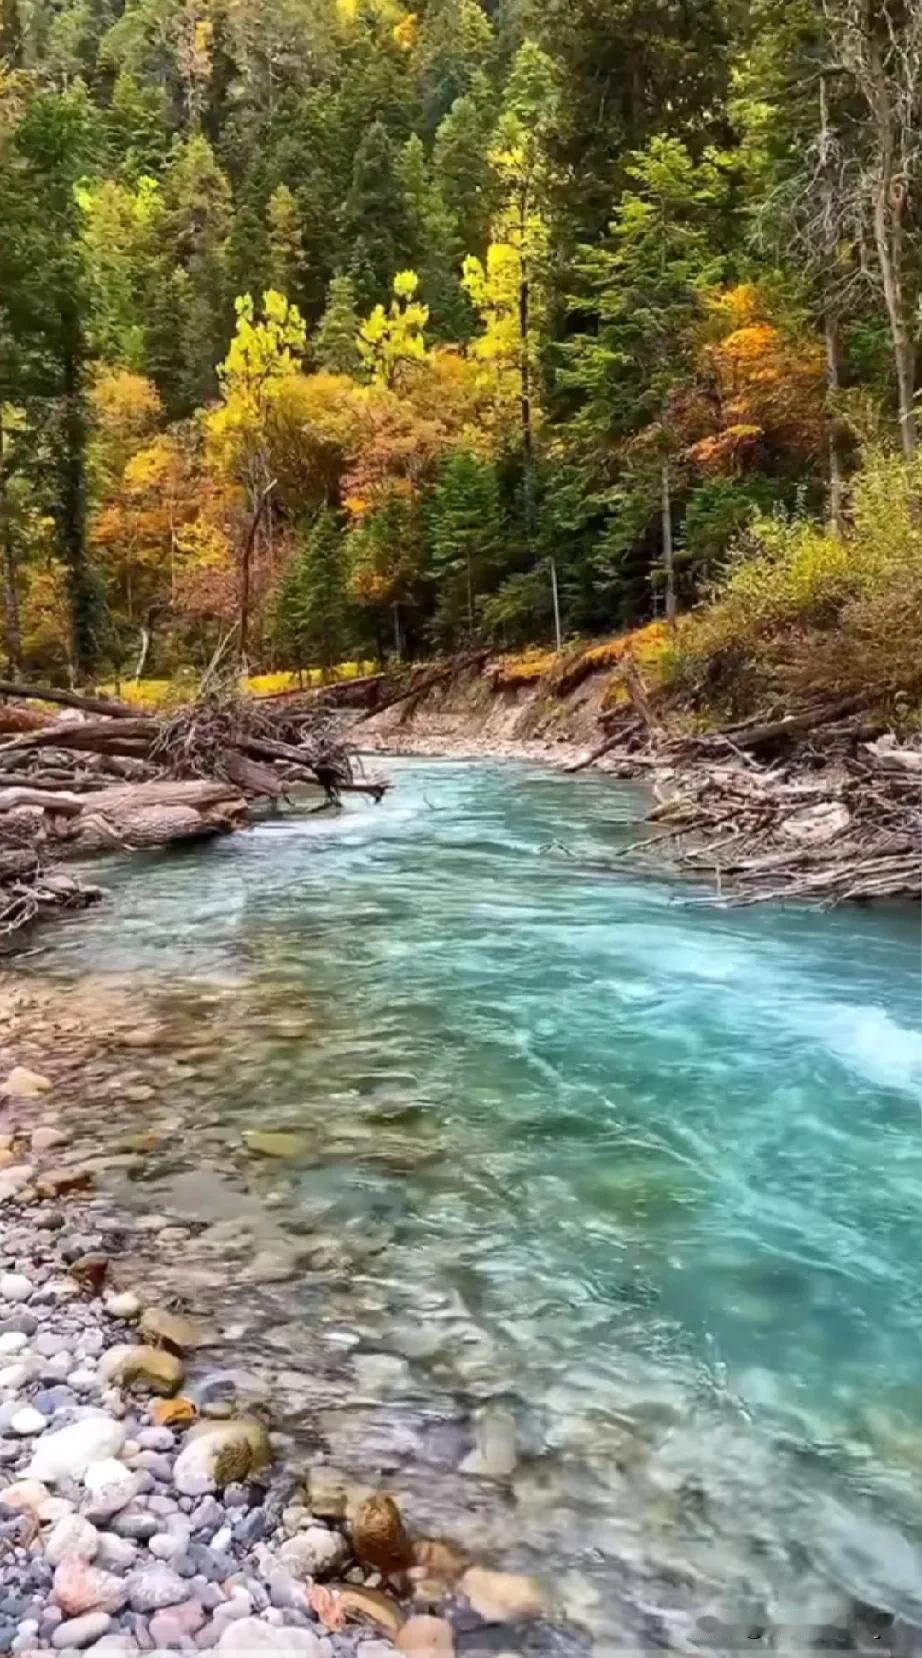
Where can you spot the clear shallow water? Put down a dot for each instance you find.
(647, 1173)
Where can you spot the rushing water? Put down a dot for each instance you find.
(642, 1175)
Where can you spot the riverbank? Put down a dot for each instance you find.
(818, 802)
(142, 1505)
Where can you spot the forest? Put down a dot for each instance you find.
(341, 330)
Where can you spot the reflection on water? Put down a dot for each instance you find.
(586, 1179)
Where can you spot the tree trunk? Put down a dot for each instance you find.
(72, 494)
(13, 634)
(831, 323)
(668, 549)
(246, 558)
(889, 210)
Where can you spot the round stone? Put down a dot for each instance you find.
(154, 1588)
(28, 1422)
(15, 1286)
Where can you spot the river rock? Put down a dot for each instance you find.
(28, 1422)
(15, 1286)
(150, 1367)
(164, 1329)
(177, 1624)
(123, 1304)
(264, 1144)
(426, 1638)
(440, 1559)
(15, 1180)
(25, 1495)
(173, 1413)
(494, 1455)
(503, 1597)
(67, 1453)
(81, 1632)
(315, 1552)
(372, 1606)
(378, 1536)
(250, 1638)
(58, 1182)
(221, 1453)
(111, 1488)
(79, 1588)
(155, 1587)
(72, 1535)
(23, 1084)
(45, 1138)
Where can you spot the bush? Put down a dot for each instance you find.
(803, 609)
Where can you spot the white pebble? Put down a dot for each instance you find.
(28, 1421)
(124, 1304)
(15, 1376)
(15, 1286)
(13, 1341)
(222, 1539)
(72, 1536)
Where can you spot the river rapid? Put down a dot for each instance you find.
(596, 1236)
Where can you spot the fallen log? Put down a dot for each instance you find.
(426, 682)
(67, 699)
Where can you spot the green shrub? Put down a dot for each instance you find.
(800, 608)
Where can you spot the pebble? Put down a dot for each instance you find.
(13, 1341)
(69, 1451)
(14, 1286)
(72, 1535)
(155, 1587)
(164, 1546)
(206, 1515)
(177, 1623)
(81, 1632)
(157, 1439)
(116, 1553)
(28, 1422)
(136, 1523)
(123, 1305)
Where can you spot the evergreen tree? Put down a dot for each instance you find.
(375, 230)
(466, 532)
(335, 343)
(310, 620)
(189, 302)
(285, 251)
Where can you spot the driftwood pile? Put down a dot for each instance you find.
(102, 777)
(821, 805)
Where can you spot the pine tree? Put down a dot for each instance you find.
(466, 537)
(310, 617)
(335, 343)
(375, 231)
(285, 251)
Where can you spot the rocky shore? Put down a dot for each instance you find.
(141, 1511)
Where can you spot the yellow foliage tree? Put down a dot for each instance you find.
(391, 340)
(265, 352)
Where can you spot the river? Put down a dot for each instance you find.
(584, 1164)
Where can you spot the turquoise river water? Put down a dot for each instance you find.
(624, 1188)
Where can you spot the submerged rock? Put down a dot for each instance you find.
(164, 1329)
(379, 1537)
(426, 1638)
(494, 1455)
(23, 1084)
(503, 1597)
(151, 1367)
(221, 1453)
(280, 1144)
(372, 1606)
